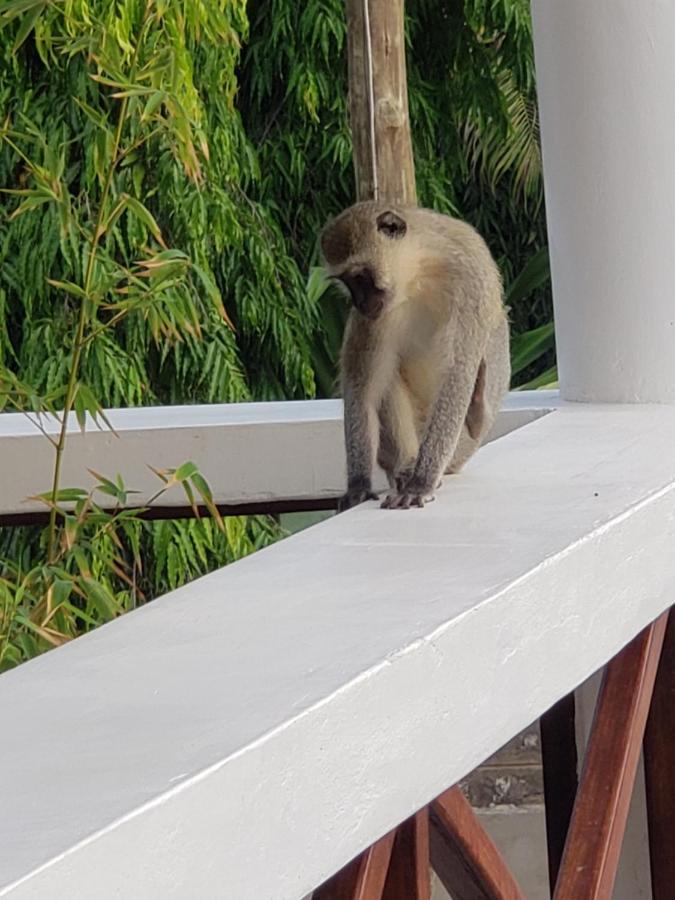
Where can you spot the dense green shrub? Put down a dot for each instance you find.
(235, 150)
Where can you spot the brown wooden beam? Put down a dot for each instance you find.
(659, 759)
(559, 759)
(384, 169)
(591, 855)
(464, 856)
(363, 878)
(395, 868)
(262, 507)
(408, 877)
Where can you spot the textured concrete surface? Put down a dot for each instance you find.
(260, 726)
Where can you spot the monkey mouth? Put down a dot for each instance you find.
(367, 297)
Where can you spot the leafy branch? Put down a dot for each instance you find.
(114, 270)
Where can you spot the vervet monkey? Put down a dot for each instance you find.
(425, 356)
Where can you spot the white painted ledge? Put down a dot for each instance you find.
(248, 734)
(249, 452)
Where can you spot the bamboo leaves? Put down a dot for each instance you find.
(104, 156)
(96, 573)
(233, 149)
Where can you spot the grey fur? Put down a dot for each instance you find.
(425, 358)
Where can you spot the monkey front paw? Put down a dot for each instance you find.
(407, 498)
(353, 497)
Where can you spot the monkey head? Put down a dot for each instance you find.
(364, 249)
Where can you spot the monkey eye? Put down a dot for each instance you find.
(391, 225)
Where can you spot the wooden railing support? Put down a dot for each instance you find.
(363, 878)
(408, 877)
(591, 855)
(446, 836)
(559, 764)
(449, 836)
(395, 868)
(659, 761)
(464, 856)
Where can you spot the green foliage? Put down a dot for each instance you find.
(167, 167)
(529, 348)
(184, 175)
(98, 570)
(274, 118)
(117, 93)
(474, 125)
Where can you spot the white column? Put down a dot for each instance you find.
(606, 84)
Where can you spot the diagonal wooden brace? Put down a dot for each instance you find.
(591, 856)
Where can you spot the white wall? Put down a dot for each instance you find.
(606, 83)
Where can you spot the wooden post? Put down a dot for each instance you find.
(559, 757)
(591, 856)
(408, 877)
(659, 756)
(380, 124)
(464, 856)
(363, 878)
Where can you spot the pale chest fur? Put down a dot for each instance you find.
(423, 343)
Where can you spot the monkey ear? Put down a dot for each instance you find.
(391, 225)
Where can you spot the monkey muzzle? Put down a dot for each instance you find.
(367, 297)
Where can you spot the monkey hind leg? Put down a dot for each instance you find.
(492, 382)
(387, 456)
(466, 447)
(474, 424)
(475, 415)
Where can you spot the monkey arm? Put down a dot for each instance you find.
(361, 394)
(442, 432)
(360, 419)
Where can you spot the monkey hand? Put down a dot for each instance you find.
(354, 496)
(413, 493)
